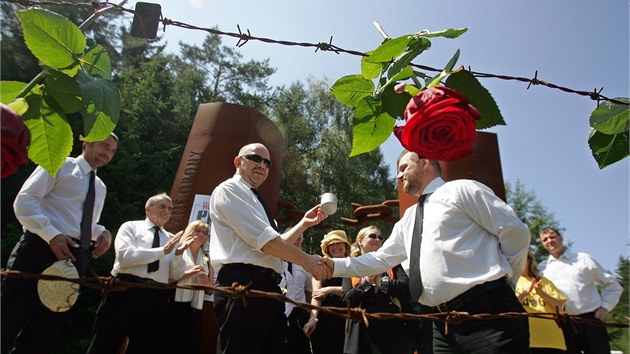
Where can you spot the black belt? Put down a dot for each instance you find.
(469, 295)
(245, 266)
(130, 278)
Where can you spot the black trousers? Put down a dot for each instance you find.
(297, 341)
(136, 313)
(586, 338)
(506, 335)
(254, 325)
(26, 323)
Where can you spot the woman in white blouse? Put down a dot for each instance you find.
(186, 317)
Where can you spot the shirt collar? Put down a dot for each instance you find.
(150, 225)
(240, 179)
(84, 165)
(433, 185)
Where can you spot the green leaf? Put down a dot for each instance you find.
(412, 90)
(51, 135)
(389, 50)
(371, 126)
(451, 63)
(447, 33)
(101, 106)
(370, 70)
(351, 89)
(19, 106)
(416, 47)
(465, 83)
(395, 103)
(65, 91)
(53, 39)
(9, 90)
(608, 149)
(611, 118)
(402, 75)
(96, 62)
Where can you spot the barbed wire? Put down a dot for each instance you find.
(239, 291)
(245, 36)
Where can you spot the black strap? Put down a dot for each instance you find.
(415, 278)
(88, 211)
(272, 222)
(155, 265)
(290, 267)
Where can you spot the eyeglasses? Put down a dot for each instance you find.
(205, 232)
(375, 236)
(258, 159)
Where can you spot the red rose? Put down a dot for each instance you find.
(15, 138)
(440, 125)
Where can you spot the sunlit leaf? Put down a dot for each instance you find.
(465, 83)
(370, 70)
(351, 89)
(611, 118)
(101, 106)
(447, 33)
(371, 126)
(415, 47)
(65, 91)
(389, 50)
(53, 39)
(608, 149)
(96, 62)
(19, 106)
(9, 90)
(51, 135)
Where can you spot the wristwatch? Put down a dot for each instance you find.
(384, 284)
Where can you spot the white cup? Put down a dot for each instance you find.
(328, 203)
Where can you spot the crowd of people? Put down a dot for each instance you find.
(460, 248)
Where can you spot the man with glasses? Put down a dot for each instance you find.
(472, 247)
(246, 247)
(51, 211)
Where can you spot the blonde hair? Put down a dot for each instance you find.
(192, 227)
(357, 250)
(532, 266)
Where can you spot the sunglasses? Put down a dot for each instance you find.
(257, 159)
(375, 236)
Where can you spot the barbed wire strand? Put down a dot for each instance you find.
(236, 290)
(245, 37)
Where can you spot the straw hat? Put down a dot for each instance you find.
(335, 236)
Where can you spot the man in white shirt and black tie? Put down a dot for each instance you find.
(473, 246)
(144, 255)
(59, 224)
(245, 246)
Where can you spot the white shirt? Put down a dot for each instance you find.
(51, 205)
(187, 260)
(134, 252)
(297, 282)
(470, 237)
(240, 228)
(578, 275)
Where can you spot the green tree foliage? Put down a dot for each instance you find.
(533, 213)
(317, 131)
(619, 338)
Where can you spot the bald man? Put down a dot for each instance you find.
(245, 246)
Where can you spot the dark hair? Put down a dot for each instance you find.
(549, 229)
(532, 266)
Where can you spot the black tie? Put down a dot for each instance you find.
(155, 265)
(267, 211)
(88, 211)
(415, 278)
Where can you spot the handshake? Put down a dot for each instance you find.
(320, 267)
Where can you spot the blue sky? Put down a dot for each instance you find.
(581, 44)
